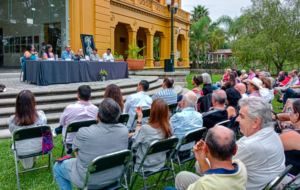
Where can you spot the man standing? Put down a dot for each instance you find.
(68, 53)
(294, 80)
(141, 99)
(168, 94)
(253, 87)
(241, 88)
(108, 56)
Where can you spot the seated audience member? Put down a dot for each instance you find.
(168, 94)
(187, 120)
(113, 91)
(80, 111)
(196, 81)
(251, 74)
(280, 78)
(108, 56)
(68, 53)
(266, 91)
(230, 83)
(207, 87)
(48, 53)
(225, 76)
(241, 88)
(94, 56)
(238, 78)
(133, 101)
(217, 113)
(219, 168)
(257, 71)
(254, 86)
(260, 75)
(272, 82)
(292, 92)
(266, 74)
(26, 116)
(79, 55)
(286, 80)
(233, 96)
(91, 142)
(260, 149)
(158, 128)
(243, 75)
(294, 80)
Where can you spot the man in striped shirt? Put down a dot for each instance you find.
(168, 94)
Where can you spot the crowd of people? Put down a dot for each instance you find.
(223, 162)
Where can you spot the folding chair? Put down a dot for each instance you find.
(156, 147)
(123, 118)
(291, 186)
(235, 127)
(225, 123)
(26, 134)
(146, 113)
(192, 136)
(74, 127)
(272, 185)
(108, 161)
(172, 108)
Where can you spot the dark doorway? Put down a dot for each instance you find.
(140, 44)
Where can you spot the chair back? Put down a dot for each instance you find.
(200, 99)
(161, 146)
(123, 118)
(225, 123)
(146, 113)
(75, 126)
(275, 182)
(30, 133)
(173, 107)
(193, 136)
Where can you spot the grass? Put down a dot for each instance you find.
(42, 179)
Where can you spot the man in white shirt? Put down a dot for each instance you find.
(142, 99)
(108, 57)
(241, 88)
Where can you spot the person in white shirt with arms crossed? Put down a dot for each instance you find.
(108, 56)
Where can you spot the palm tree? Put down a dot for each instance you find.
(199, 12)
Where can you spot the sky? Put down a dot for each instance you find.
(217, 8)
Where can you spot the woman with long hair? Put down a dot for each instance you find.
(113, 91)
(48, 53)
(26, 116)
(158, 128)
(230, 83)
(233, 96)
(29, 54)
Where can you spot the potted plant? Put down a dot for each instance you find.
(118, 58)
(135, 60)
(179, 62)
(103, 74)
(156, 61)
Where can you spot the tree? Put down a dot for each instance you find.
(199, 12)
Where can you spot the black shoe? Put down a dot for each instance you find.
(280, 108)
(280, 101)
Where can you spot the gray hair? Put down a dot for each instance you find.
(188, 101)
(243, 71)
(206, 78)
(109, 111)
(219, 99)
(266, 74)
(258, 108)
(290, 72)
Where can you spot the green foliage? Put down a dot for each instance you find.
(141, 57)
(103, 72)
(134, 50)
(116, 56)
(199, 12)
(156, 45)
(157, 59)
(180, 59)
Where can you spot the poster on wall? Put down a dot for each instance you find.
(17, 40)
(88, 43)
(36, 39)
(23, 40)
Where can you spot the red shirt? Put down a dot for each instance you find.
(225, 78)
(286, 80)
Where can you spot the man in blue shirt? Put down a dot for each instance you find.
(187, 120)
(168, 94)
(68, 53)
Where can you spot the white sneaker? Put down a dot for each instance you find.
(53, 133)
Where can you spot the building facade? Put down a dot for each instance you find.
(114, 24)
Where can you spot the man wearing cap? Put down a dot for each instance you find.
(253, 87)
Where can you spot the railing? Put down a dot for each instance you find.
(183, 14)
(146, 3)
(159, 8)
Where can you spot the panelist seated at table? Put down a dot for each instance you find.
(68, 53)
(94, 56)
(29, 54)
(79, 55)
(48, 53)
(108, 56)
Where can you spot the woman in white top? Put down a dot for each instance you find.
(95, 56)
(266, 92)
(26, 116)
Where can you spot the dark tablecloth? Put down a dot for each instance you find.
(54, 72)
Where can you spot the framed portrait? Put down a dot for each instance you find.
(18, 49)
(12, 41)
(17, 40)
(23, 47)
(23, 40)
(6, 49)
(29, 39)
(88, 43)
(12, 49)
(36, 39)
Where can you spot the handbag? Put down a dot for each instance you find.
(47, 144)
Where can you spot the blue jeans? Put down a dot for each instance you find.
(215, 87)
(288, 94)
(170, 188)
(62, 175)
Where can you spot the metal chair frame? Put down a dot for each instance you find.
(173, 107)
(289, 186)
(272, 185)
(225, 123)
(34, 132)
(73, 127)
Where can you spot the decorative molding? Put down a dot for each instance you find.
(112, 17)
(134, 23)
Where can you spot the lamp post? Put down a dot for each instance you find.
(172, 10)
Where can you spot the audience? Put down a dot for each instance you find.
(241, 88)
(219, 169)
(26, 116)
(251, 74)
(140, 99)
(168, 94)
(158, 128)
(266, 91)
(286, 80)
(90, 142)
(113, 91)
(257, 73)
(233, 96)
(294, 80)
(238, 78)
(217, 113)
(80, 111)
(230, 83)
(207, 87)
(187, 120)
(254, 86)
(292, 92)
(196, 81)
(243, 75)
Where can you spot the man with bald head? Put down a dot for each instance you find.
(187, 120)
(217, 113)
(241, 88)
(168, 94)
(214, 156)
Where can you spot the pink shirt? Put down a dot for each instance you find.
(50, 54)
(251, 76)
(255, 93)
(77, 112)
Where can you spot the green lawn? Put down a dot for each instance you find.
(42, 179)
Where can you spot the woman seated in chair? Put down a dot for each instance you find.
(26, 116)
(158, 128)
(207, 87)
(48, 53)
(113, 91)
(196, 82)
(29, 54)
(267, 92)
(230, 83)
(233, 96)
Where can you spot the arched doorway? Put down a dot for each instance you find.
(142, 40)
(121, 39)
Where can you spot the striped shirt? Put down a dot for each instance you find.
(168, 94)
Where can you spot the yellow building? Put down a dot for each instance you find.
(116, 23)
